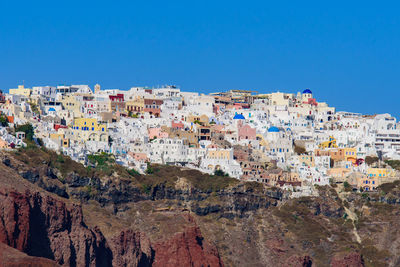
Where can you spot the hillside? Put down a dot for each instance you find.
(54, 208)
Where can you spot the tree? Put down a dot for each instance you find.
(370, 160)
(149, 169)
(27, 129)
(220, 173)
(34, 108)
(347, 186)
(3, 120)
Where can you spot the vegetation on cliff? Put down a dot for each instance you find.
(249, 223)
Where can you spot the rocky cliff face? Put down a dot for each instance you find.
(11, 257)
(45, 227)
(42, 226)
(183, 218)
(187, 248)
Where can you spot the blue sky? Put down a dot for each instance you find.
(347, 52)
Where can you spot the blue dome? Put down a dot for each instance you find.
(238, 117)
(307, 91)
(273, 129)
(52, 109)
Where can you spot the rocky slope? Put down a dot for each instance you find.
(11, 257)
(56, 209)
(43, 226)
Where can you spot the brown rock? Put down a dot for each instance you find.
(352, 259)
(11, 257)
(186, 249)
(43, 226)
(297, 261)
(132, 249)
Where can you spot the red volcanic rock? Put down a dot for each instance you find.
(297, 261)
(353, 259)
(11, 257)
(14, 227)
(131, 249)
(43, 226)
(186, 249)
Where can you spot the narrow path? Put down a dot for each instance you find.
(352, 215)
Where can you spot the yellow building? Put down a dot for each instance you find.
(377, 172)
(87, 129)
(219, 154)
(69, 102)
(368, 183)
(339, 154)
(56, 136)
(60, 137)
(135, 106)
(21, 90)
(278, 98)
(203, 119)
(350, 154)
(375, 177)
(329, 144)
(306, 160)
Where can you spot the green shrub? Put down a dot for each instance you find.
(101, 159)
(133, 172)
(146, 188)
(220, 173)
(27, 129)
(149, 169)
(347, 186)
(395, 164)
(3, 120)
(60, 159)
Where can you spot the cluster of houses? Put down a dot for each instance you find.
(280, 139)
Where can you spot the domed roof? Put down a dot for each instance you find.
(273, 129)
(52, 109)
(238, 117)
(307, 91)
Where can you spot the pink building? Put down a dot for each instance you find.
(157, 133)
(177, 125)
(140, 157)
(245, 132)
(311, 101)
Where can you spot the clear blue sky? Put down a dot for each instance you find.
(347, 52)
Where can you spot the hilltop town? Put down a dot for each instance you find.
(285, 140)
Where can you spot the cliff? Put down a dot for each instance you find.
(74, 216)
(43, 226)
